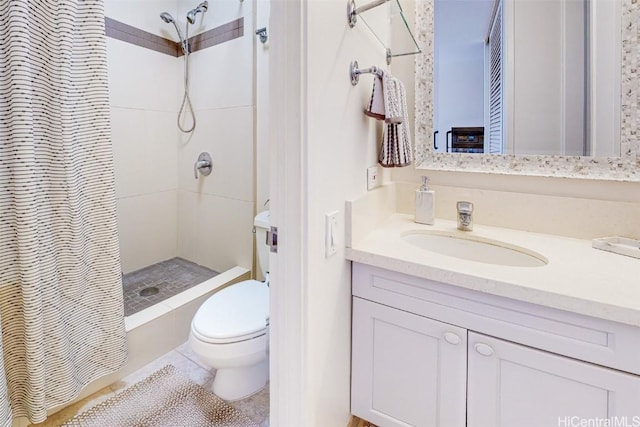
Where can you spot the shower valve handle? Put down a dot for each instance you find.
(204, 164)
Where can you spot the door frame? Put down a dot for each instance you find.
(289, 204)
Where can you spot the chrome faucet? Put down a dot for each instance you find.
(465, 216)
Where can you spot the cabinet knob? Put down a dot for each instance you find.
(452, 338)
(484, 349)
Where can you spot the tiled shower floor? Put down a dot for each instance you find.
(170, 277)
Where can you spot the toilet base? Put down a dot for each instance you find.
(238, 383)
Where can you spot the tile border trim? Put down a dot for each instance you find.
(130, 34)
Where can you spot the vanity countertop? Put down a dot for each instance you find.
(577, 278)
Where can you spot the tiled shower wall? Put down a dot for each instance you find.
(163, 211)
(215, 213)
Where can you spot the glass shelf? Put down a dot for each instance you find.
(387, 22)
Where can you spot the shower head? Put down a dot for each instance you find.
(166, 17)
(191, 15)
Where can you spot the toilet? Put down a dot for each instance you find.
(229, 331)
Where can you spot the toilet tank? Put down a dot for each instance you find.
(261, 223)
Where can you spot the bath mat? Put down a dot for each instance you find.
(165, 398)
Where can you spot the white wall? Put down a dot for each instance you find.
(538, 58)
(341, 142)
(215, 214)
(144, 15)
(262, 108)
(579, 208)
(460, 89)
(163, 211)
(459, 58)
(143, 92)
(549, 82)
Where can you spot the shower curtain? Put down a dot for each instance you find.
(61, 313)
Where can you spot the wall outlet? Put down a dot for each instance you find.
(373, 177)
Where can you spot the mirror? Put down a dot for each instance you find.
(531, 73)
(604, 116)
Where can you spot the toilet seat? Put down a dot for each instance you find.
(231, 340)
(238, 312)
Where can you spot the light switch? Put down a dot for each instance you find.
(331, 233)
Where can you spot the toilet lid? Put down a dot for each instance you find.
(237, 311)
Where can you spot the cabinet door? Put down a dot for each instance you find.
(407, 370)
(513, 385)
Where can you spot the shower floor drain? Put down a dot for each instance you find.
(146, 292)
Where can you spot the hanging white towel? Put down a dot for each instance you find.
(389, 103)
(396, 143)
(392, 89)
(376, 104)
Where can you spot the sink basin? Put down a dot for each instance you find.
(474, 248)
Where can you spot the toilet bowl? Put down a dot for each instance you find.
(229, 332)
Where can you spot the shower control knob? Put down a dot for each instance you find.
(204, 165)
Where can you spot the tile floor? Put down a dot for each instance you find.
(255, 407)
(170, 277)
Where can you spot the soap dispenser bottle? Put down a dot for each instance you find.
(425, 204)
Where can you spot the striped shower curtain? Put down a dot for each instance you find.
(61, 313)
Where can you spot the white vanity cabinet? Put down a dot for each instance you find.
(428, 354)
(408, 370)
(514, 385)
